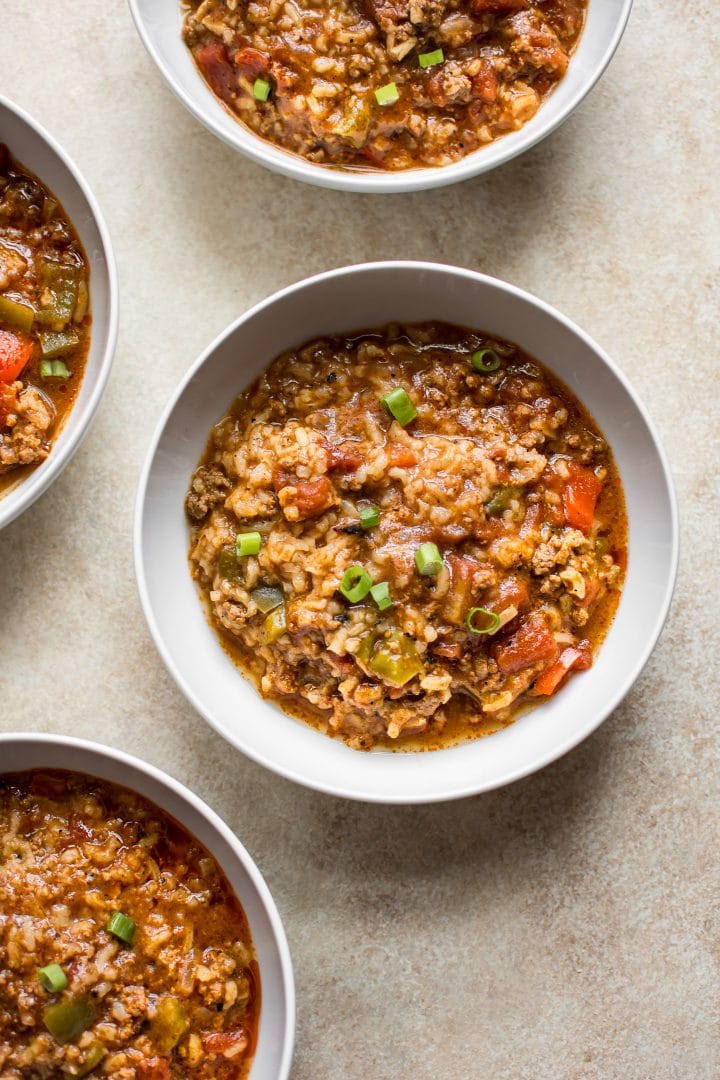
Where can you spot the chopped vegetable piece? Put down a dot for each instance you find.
(275, 625)
(60, 284)
(501, 500)
(169, 1024)
(381, 595)
(532, 641)
(393, 659)
(369, 516)
(387, 95)
(428, 559)
(430, 59)
(485, 360)
(355, 584)
(53, 343)
(83, 301)
(15, 354)
(54, 369)
(65, 1020)
(580, 497)
(52, 978)
(229, 566)
(261, 89)
(154, 1068)
(94, 1056)
(267, 598)
(400, 457)
(398, 403)
(247, 543)
(16, 315)
(122, 927)
(481, 621)
(579, 657)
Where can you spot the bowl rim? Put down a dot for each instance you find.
(36, 484)
(278, 160)
(583, 730)
(165, 780)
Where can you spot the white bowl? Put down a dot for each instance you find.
(34, 148)
(273, 1057)
(159, 23)
(354, 298)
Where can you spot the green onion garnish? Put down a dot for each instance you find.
(54, 369)
(430, 59)
(485, 360)
(489, 621)
(121, 927)
(52, 978)
(400, 406)
(428, 559)
(267, 598)
(381, 595)
(247, 543)
(261, 89)
(369, 516)
(355, 584)
(387, 95)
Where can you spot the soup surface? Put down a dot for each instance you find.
(383, 84)
(406, 535)
(44, 318)
(123, 950)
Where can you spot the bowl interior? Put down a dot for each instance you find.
(352, 299)
(160, 21)
(272, 1060)
(37, 152)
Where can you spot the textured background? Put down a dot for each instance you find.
(568, 926)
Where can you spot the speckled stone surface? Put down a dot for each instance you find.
(566, 927)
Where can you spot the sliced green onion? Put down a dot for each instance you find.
(381, 595)
(428, 559)
(53, 369)
(356, 584)
(261, 89)
(430, 59)
(247, 543)
(485, 360)
(400, 406)
(267, 598)
(387, 95)
(489, 621)
(65, 1020)
(52, 978)
(369, 516)
(122, 927)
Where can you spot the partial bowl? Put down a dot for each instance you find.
(29, 751)
(38, 151)
(355, 298)
(159, 23)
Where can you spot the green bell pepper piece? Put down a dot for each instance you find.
(59, 285)
(16, 315)
(55, 343)
(501, 500)
(169, 1024)
(69, 1018)
(394, 659)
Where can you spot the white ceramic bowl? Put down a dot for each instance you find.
(37, 150)
(354, 298)
(273, 1057)
(159, 24)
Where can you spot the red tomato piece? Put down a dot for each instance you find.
(15, 354)
(532, 641)
(578, 657)
(215, 65)
(580, 497)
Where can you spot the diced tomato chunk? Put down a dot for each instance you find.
(580, 497)
(578, 657)
(15, 355)
(252, 63)
(513, 591)
(400, 457)
(302, 499)
(342, 459)
(532, 642)
(214, 62)
(485, 83)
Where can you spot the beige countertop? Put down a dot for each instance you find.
(567, 926)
